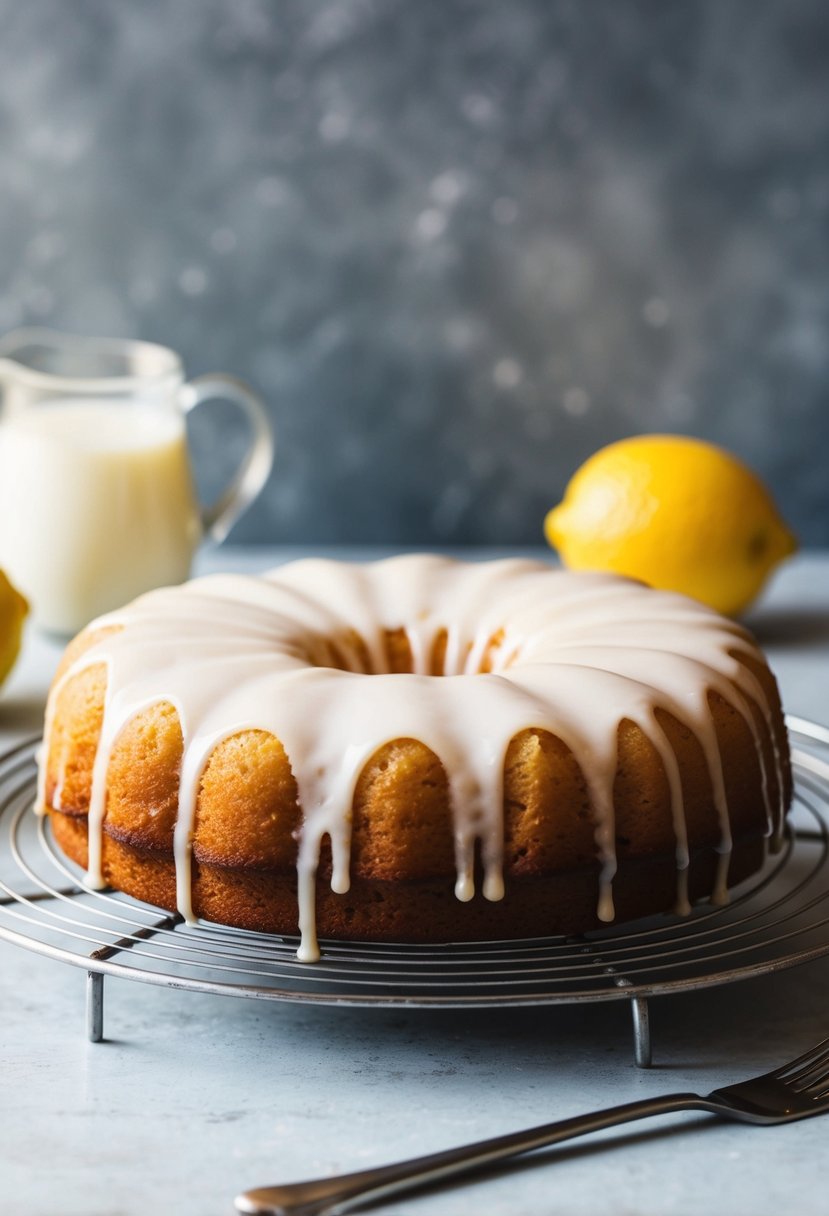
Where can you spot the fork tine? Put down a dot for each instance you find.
(816, 1085)
(802, 1064)
(803, 1077)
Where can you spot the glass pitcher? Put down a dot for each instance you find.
(97, 502)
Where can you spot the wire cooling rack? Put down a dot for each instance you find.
(775, 920)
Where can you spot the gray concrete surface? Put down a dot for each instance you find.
(457, 246)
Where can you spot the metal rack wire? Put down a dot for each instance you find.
(777, 919)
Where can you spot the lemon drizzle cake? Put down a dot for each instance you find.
(465, 674)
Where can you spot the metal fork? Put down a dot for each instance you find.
(795, 1091)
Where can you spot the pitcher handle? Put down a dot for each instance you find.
(250, 477)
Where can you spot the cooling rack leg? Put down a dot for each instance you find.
(642, 1050)
(95, 1006)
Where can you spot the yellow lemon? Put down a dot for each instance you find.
(675, 512)
(13, 611)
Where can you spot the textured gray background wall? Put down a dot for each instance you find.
(457, 244)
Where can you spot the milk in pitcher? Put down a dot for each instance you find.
(109, 505)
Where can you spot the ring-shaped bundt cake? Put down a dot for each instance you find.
(415, 749)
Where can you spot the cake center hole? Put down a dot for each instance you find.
(396, 652)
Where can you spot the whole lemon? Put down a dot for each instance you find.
(675, 512)
(13, 611)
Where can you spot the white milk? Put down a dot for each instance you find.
(96, 505)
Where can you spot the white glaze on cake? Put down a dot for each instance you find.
(576, 654)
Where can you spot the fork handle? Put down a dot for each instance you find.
(324, 1195)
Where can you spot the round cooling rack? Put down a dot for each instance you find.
(778, 918)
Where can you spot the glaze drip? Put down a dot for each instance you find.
(526, 647)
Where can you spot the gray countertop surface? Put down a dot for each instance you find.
(194, 1097)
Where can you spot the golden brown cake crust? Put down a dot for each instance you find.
(248, 820)
(420, 910)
